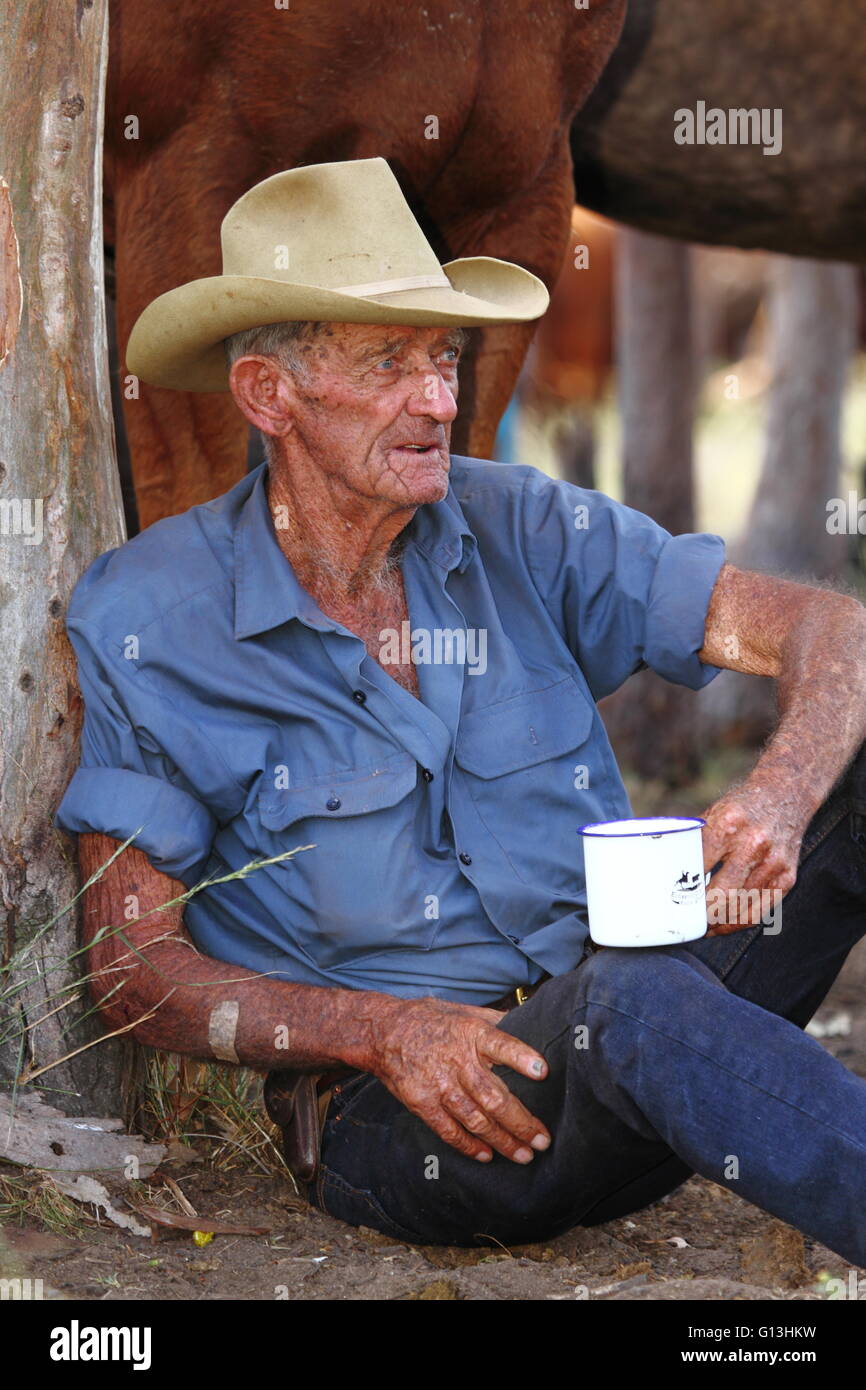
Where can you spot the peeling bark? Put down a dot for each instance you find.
(10, 276)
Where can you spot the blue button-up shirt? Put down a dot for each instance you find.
(228, 719)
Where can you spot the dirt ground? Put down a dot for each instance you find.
(702, 1242)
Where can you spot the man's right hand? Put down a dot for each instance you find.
(436, 1057)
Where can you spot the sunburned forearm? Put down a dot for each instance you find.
(184, 1002)
(151, 976)
(822, 701)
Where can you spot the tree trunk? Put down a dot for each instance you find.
(59, 508)
(813, 321)
(813, 318)
(653, 722)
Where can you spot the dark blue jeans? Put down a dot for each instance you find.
(663, 1062)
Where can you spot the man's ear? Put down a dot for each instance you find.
(263, 391)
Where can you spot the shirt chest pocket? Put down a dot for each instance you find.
(338, 795)
(351, 895)
(524, 731)
(530, 763)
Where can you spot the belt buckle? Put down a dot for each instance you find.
(521, 994)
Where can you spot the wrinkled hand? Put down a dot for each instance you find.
(757, 830)
(436, 1057)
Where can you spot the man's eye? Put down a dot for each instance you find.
(387, 362)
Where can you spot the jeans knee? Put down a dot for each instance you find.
(631, 978)
(620, 968)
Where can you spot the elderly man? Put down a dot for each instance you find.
(388, 659)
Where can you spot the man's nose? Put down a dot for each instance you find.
(431, 395)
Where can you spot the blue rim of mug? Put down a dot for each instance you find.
(688, 823)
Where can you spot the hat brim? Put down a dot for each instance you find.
(177, 340)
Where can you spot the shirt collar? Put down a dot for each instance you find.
(267, 591)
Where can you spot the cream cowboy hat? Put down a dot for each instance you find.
(353, 253)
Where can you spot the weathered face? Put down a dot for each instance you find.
(377, 410)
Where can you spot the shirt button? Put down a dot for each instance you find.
(465, 858)
(359, 697)
(333, 803)
(427, 774)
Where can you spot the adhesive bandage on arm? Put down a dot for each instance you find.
(222, 1030)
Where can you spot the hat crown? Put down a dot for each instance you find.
(330, 225)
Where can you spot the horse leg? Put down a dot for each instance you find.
(531, 230)
(186, 447)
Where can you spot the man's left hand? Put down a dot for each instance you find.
(756, 830)
(813, 643)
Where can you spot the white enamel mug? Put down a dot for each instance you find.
(645, 882)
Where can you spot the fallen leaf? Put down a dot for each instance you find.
(175, 1219)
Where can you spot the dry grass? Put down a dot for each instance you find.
(219, 1107)
(29, 1195)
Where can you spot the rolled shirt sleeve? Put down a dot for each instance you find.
(125, 785)
(625, 593)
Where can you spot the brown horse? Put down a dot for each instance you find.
(471, 103)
